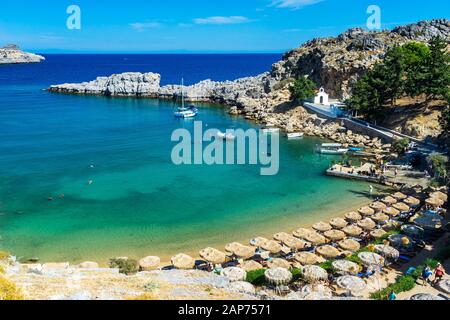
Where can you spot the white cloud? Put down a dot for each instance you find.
(222, 20)
(294, 4)
(141, 26)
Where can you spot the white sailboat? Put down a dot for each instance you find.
(183, 111)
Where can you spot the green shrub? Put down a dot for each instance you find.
(400, 145)
(402, 284)
(296, 274)
(256, 277)
(327, 265)
(125, 266)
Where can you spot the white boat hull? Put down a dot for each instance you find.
(333, 152)
(295, 135)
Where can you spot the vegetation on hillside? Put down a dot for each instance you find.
(303, 89)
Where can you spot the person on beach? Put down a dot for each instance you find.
(438, 273)
(392, 296)
(426, 274)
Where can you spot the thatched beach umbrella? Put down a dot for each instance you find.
(315, 238)
(295, 243)
(335, 235)
(434, 202)
(272, 246)
(349, 245)
(281, 236)
(278, 263)
(367, 224)
(306, 258)
(338, 223)
(425, 296)
(258, 241)
(353, 230)
(322, 226)
(439, 195)
(377, 233)
(242, 287)
(213, 255)
(327, 251)
(302, 232)
(278, 276)
(380, 217)
(250, 265)
(366, 211)
(401, 206)
(391, 211)
(412, 202)
(352, 284)
(389, 200)
(313, 273)
(371, 259)
(239, 250)
(399, 196)
(387, 251)
(353, 216)
(346, 266)
(315, 292)
(183, 261)
(378, 206)
(234, 274)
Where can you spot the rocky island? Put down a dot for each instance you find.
(12, 54)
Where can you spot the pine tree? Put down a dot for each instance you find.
(302, 89)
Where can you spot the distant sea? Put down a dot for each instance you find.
(139, 203)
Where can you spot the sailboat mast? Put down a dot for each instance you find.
(182, 92)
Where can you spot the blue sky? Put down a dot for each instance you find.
(195, 25)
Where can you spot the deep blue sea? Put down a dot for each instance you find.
(139, 203)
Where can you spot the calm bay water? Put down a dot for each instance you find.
(139, 202)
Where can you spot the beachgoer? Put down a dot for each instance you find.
(426, 274)
(396, 172)
(438, 273)
(392, 296)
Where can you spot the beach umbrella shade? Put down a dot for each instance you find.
(399, 196)
(412, 230)
(338, 223)
(242, 287)
(213, 255)
(234, 274)
(412, 202)
(239, 250)
(278, 276)
(322, 226)
(425, 296)
(366, 211)
(439, 195)
(278, 263)
(380, 217)
(371, 259)
(295, 243)
(327, 251)
(345, 266)
(306, 258)
(349, 245)
(377, 233)
(149, 263)
(272, 246)
(352, 284)
(391, 211)
(316, 292)
(250, 265)
(281, 236)
(183, 261)
(353, 231)
(258, 241)
(389, 200)
(387, 251)
(434, 202)
(315, 238)
(367, 224)
(302, 232)
(313, 273)
(428, 222)
(378, 206)
(334, 235)
(353, 216)
(401, 206)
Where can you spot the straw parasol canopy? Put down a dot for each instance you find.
(281, 236)
(234, 274)
(278, 276)
(295, 243)
(439, 195)
(434, 202)
(306, 258)
(327, 251)
(250, 265)
(315, 238)
(353, 230)
(213, 255)
(399, 196)
(412, 230)
(378, 206)
(377, 233)
(353, 216)
(371, 259)
(239, 250)
(346, 266)
(367, 224)
(412, 202)
(272, 246)
(349, 245)
(366, 211)
(258, 241)
(278, 263)
(389, 200)
(302, 232)
(425, 296)
(391, 211)
(322, 226)
(313, 273)
(242, 287)
(380, 217)
(387, 251)
(351, 283)
(335, 235)
(401, 206)
(338, 223)
(183, 261)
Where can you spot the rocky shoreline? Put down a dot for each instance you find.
(11, 54)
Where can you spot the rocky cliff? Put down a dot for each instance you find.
(11, 54)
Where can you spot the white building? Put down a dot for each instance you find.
(321, 98)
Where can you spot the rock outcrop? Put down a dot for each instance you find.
(11, 54)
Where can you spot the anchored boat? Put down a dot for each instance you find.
(294, 135)
(183, 111)
(332, 148)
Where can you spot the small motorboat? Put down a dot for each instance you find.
(294, 135)
(332, 148)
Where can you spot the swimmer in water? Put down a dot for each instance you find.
(90, 182)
